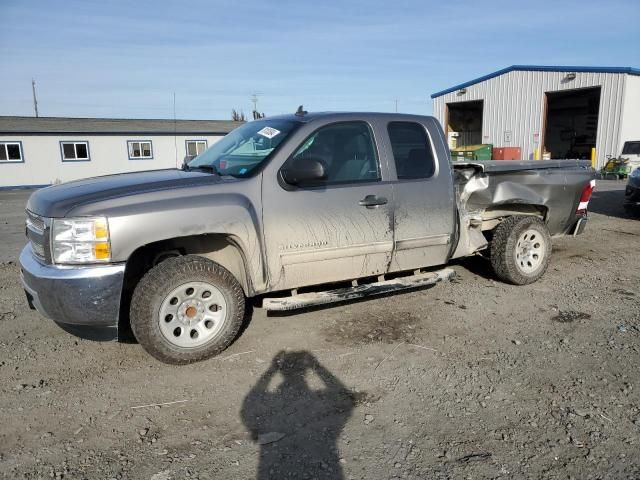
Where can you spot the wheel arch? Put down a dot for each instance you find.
(220, 248)
(495, 214)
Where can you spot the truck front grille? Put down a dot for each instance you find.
(38, 235)
(35, 221)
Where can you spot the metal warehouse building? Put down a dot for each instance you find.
(549, 112)
(42, 151)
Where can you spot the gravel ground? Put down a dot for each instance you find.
(472, 379)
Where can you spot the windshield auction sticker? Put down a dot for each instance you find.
(268, 132)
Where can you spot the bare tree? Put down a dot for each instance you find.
(238, 116)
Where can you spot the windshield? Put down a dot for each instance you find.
(631, 148)
(245, 148)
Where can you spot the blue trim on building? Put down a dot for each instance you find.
(140, 141)
(13, 162)
(540, 68)
(71, 160)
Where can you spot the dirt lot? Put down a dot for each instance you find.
(473, 379)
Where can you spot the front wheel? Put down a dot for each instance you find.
(186, 309)
(520, 250)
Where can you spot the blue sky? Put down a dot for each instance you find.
(126, 58)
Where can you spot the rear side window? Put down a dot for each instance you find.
(412, 150)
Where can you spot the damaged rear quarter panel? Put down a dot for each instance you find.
(553, 186)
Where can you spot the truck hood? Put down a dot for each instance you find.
(58, 200)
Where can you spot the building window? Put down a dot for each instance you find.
(196, 147)
(140, 149)
(412, 150)
(75, 151)
(11, 152)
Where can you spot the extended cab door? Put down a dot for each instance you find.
(423, 194)
(339, 228)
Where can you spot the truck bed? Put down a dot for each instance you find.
(519, 165)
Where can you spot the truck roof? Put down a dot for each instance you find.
(311, 116)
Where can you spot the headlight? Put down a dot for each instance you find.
(636, 173)
(80, 240)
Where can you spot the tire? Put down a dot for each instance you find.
(186, 309)
(631, 210)
(520, 250)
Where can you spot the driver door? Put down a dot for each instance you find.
(339, 228)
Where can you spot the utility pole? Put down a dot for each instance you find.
(396, 105)
(175, 129)
(35, 100)
(254, 98)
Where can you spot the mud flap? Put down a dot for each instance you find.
(580, 226)
(29, 300)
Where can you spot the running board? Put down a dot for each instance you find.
(312, 299)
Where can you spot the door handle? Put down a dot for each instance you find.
(372, 201)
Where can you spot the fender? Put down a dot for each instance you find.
(149, 217)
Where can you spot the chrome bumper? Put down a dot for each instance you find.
(73, 296)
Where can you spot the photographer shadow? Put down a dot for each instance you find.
(296, 412)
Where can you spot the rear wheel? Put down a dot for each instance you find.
(520, 250)
(186, 309)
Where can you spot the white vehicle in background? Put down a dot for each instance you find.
(631, 153)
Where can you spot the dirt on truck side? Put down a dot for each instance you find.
(470, 379)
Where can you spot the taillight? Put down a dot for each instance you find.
(223, 164)
(585, 196)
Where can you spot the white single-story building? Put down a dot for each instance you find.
(38, 151)
(547, 111)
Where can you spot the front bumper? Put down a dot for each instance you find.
(79, 299)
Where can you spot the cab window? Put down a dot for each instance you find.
(347, 151)
(412, 150)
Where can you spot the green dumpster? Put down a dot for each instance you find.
(472, 152)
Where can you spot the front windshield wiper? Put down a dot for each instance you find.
(207, 168)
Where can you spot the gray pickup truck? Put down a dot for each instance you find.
(294, 210)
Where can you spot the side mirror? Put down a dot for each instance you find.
(304, 171)
(186, 160)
